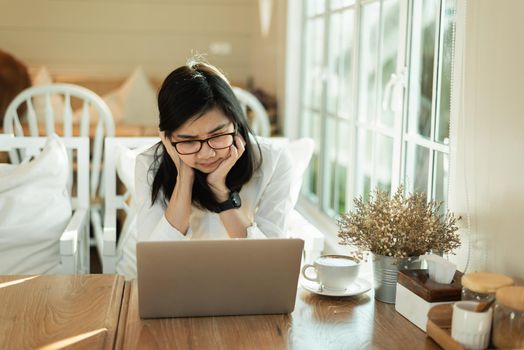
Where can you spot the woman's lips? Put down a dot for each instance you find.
(209, 165)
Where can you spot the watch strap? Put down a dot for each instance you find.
(231, 203)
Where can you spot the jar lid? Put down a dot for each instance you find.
(485, 282)
(512, 297)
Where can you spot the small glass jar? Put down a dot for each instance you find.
(481, 286)
(508, 318)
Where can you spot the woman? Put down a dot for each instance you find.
(209, 178)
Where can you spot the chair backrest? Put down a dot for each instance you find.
(92, 106)
(260, 122)
(113, 145)
(119, 161)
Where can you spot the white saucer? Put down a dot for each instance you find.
(359, 286)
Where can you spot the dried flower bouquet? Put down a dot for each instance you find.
(399, 226)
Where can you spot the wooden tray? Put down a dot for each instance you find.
(439, 327)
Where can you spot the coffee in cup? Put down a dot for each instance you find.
(334, 272)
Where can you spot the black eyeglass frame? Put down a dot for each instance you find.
(174, 144)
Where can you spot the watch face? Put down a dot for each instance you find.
(235, 199)
(232, 202)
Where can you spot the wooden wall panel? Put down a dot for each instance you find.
(131, 17)
(110, 38)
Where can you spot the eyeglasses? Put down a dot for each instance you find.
(194, 146)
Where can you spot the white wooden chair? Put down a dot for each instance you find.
(95, 114)
(74, 241)
(260, 122)
(113, 200)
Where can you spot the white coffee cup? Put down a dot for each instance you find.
(471, 328)
(334, 272)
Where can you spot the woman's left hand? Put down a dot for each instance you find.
(217, 179)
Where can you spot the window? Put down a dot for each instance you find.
(375, 81)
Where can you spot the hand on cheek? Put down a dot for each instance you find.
(185, 172)
(217, 178)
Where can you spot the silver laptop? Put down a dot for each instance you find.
(218, 277)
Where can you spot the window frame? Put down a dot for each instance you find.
(293, 126)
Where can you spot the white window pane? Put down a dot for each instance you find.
(369, 33)
(345, 63)
(448, 40)
(335, 52)
(314, 168)
(339, 93)
(343, 155)
(312, 188)
(425, 14)
(313, 64)
(384, 161)
(315, 7)
(330, 162)
(364, 163)
(388, 55)
(416, 171)
(441, 176)
(337, 4)
(337, 153)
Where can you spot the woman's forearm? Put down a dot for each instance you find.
(179, 206)
(236, 222)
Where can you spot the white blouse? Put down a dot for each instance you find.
(266, 201)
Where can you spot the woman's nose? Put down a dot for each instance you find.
(206, 151)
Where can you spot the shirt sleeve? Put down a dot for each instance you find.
(152, 224)
(275, 203)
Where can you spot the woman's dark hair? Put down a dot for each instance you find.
(189, 92)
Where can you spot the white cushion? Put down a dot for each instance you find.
(113, 103)
(134, 102)
(125, 165)
(301, 151)
(41, 78)
(34, 211)
(126, 251)
(138, 99)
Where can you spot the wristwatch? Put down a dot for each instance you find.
(232, 202)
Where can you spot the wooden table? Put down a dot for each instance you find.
(56, 311)
(101, 312)
(318, 322)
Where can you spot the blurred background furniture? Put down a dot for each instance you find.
(49, 110)
(254, 111)
(33, 206)
(14, 78)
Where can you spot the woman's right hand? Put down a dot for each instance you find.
(185, 172)
(179, 207)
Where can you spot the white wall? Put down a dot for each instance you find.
(488, 178)
(108, 39)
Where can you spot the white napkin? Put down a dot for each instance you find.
(440, 269)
